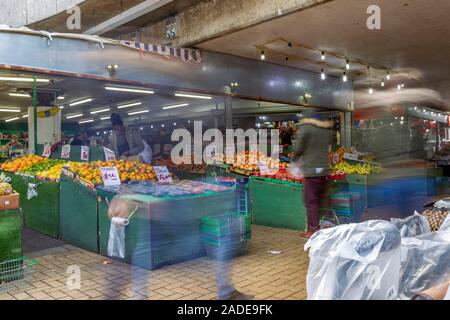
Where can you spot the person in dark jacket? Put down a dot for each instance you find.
(312, 145)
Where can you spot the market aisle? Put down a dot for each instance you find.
(259, 273)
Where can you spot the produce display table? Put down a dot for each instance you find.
(276, 203)
(79, 225)
(41, 213)
(163, 230)
(10, 234)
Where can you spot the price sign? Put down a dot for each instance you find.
(47, 150)
(168, 148)
(162, 173)
(110, 176)
(65, 152)
(157, 148)
(350, 156)
(263, 168)
(84, 153)
(109, 154)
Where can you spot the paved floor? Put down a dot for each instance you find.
(261, 274)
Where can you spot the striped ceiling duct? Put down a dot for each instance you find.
(187, 55)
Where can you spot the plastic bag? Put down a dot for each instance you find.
(32, 191)
(116, 241)
(354, 262)
(295, 170)
(442, 204)
(412, 226)
(425, 262)
(445, 226)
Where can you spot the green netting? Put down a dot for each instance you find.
(10, 234)
(277, 205)
(40, 213)
(164, 231)
(79, 225)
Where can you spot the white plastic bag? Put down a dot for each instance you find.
(295, 170)
(445, 226)
(354, 262)
(412, 226)
(425, 262)
(116, 241)
(32, 191)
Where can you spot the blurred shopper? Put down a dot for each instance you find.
(76, 140)
(312, 144)
(127, 142)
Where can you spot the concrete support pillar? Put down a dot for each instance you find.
(228, 112)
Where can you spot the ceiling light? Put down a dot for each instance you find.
(86, 121)
(382, 83)
(61, 98)
(174, 123)
(129, 105)
(100, 111)
(162, 126)
(403, 85)
(370, 90)
(151, 126)
(188, 95)
(138, 112)
(80, 102)
(399, 87)
(323, 75)
(323, 56)
(388, 76)
(415, 108)
(61, 107)
(25, 116)
(344, 77)
(105, 118)
(24, 95)
(347, 65)
(9, 120)
(98, 133)
(130, 90)
(263, 56)
(74, 116)
(17, 79)
(9, 110)
(176, 106)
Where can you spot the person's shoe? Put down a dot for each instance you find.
(237, 295)
(306, 235)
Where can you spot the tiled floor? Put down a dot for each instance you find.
(260, 274)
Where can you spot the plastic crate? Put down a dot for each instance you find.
(346, 203)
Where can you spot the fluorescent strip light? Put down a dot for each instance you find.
(74, 116)
(188, 95)
(129, 105)
(100, 111)
(86, 121)
(17, 79)
(138, 112)
(9, 120)
(61, 107)
(130, 90)
(176, 106)
(80, 102)
(61, 98)
(24, 95)
(25, 116)
(9, 110)
(105, 118)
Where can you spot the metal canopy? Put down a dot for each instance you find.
(59, 54)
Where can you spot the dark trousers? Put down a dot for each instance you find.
(314, 190)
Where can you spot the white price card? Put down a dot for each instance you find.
(109, 154)
(162, 173)
(210, 154)
(84, 153)
(350, 156)
(47, 150)
(110, 176)
(263, 168)
(168, 148)
(65, 151)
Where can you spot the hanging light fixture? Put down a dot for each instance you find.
(347, 65)
(382, 83)
(323, 55)
(323, 76)
(263, 56)
(388, 76)
(371, 90)
(344, 77)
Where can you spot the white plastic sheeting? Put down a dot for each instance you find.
(354, 262)
(425, 262)
(412, 226)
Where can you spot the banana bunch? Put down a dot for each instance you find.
(362, 169)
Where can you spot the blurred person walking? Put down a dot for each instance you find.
(311, 150)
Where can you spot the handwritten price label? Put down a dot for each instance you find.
(162, 173)
(110, 176)
(47, 150)
(65, 151)
(109, 154)
(84, 153)
(263, 168)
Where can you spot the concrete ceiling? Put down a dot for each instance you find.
(414, 34)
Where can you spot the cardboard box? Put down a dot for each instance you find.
(9, 202)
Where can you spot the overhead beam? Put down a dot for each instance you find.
(216, 18)
(127, 16)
